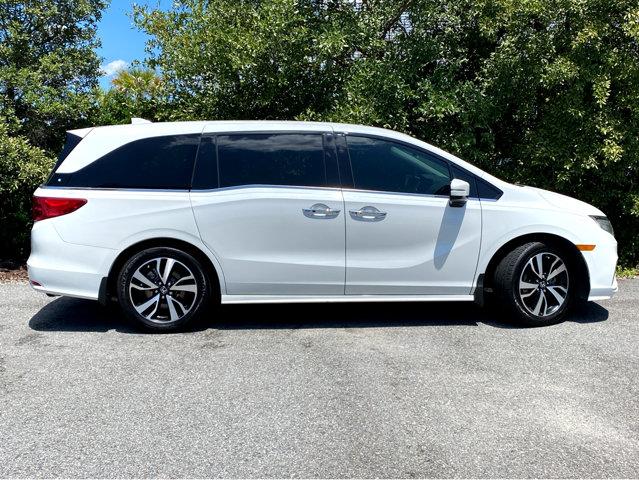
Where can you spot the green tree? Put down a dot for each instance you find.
(136, 92)
(141, 84)
(230, 59)
(48, 66)
(544, 92)
(48, 70)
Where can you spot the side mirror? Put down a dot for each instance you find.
(459, 191)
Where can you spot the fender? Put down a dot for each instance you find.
(154, 234)
(489, 250)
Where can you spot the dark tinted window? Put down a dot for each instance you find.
(330, 161)
(467, 177)
(71, 141)
(271, 159)
(205, 175)
(394, 167)
(486, 190)
(157, 162)
(345, 173)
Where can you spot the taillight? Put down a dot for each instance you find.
(49, 207)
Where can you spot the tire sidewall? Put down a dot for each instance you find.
(137, 260)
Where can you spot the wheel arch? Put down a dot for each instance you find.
(107, 289)
(557, 241)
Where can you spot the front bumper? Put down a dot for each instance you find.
(603, 293)
(602, 263)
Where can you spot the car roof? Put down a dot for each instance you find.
(150, 129)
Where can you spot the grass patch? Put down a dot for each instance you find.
(627, 272)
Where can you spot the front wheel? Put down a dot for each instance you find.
(535, 282)
(163, 288)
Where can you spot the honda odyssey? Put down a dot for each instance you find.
(166, 218)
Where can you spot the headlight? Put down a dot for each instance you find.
(604, 223)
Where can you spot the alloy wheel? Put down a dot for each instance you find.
(163, 290)
(543, 284)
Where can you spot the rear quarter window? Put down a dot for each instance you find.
(151, 163)
(71, 141)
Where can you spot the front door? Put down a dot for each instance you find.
(402, 236)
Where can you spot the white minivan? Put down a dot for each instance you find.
(166, 218)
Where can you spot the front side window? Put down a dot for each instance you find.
(150, 163)
(271, 159)
(388, 166)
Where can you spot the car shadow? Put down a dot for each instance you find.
(75, 315)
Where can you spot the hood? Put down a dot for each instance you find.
(566, 203)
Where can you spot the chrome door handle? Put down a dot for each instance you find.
(319, 210)
(370, 214)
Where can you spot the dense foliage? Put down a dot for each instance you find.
(23, 166)
(48, 70)
(542, 92)
(48, 66)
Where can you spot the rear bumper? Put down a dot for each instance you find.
(60, 268)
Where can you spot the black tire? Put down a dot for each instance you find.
(180, 298)
(539, 305)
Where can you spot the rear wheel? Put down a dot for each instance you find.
(536, 282)
(163, 288)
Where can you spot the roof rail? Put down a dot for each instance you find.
(137, 121)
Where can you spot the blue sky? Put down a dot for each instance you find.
(122, 43)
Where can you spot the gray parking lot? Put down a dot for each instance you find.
(392, 390)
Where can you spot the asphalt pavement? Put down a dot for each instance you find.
(360, 390)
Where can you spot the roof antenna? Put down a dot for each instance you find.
(138, 121)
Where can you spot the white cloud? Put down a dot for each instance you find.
(114, 67)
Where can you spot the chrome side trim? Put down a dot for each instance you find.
(401, 194)
(377, 192)
(248, 299)
(241, 187)
(248, 187)
(100, 189)
(211, 190)
(257, 185)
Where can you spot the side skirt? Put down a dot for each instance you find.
(227, 299)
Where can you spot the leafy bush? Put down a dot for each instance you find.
(23, 167)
